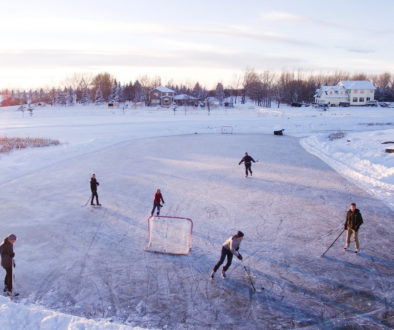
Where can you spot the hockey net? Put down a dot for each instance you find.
(227, 130)
(170, 235)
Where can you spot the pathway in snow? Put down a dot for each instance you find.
(90, 261)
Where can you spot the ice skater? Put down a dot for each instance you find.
(353, 222)
(7, 262)
(229, 248)
(156, 202)
(248, 164)
(93, 187)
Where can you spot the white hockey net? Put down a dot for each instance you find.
(172, 235)
(227, 130)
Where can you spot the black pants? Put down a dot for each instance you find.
(154, 207)
(225, 253)
(94, 194)
(8, 278)
(248, 167)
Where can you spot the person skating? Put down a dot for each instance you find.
(353, 222)
(248, 164)
(229, 248)
(156, 202)
(7, 262)
(93, 187)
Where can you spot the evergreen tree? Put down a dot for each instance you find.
(85, 96)
(98, 98)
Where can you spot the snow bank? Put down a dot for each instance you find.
(19, 316)
(361, 157)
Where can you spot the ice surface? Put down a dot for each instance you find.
(90, 262)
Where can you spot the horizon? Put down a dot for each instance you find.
(43, 45)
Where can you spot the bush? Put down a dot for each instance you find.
(7, 144)
(336, 136)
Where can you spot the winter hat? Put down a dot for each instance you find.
(239, 234)
(12, 237)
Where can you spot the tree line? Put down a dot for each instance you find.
(263, 88)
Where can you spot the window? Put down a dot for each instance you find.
(355, 91)
(361, 99)
(362, 92)
(354, 99)
(368, 99)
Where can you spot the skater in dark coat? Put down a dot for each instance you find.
(156, 202)
(229, 248)
(93, 187)
(248, 164)
(7, 255)
(353, 222)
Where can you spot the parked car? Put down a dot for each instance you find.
(344, 104)
(371, 103)
(384, 104)
(296, 104)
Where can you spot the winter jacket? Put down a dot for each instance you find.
(93, 184)
(353, 220)
(7, 253)
(158, 198)
(232, 244)
(247, 159)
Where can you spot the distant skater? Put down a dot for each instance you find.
(229, 248)
(353, 222)
(93, 187)
(248, 164)
(7, 262)
(156, 202)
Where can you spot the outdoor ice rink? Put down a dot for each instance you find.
(91, 262)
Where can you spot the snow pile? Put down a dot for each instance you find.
(361, 157)
(16, 316)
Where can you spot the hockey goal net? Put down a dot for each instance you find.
(227, 130)
(172, 235)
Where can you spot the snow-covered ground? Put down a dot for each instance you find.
(91, 263)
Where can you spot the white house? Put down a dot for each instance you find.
(353, 92)
(161, 96)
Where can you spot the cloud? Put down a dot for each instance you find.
(358, 50)
(277, 16)
(146, 58)
(245, 32)
(288, 18)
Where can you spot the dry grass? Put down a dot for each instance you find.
(8, 144)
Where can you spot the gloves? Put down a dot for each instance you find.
(239, 256)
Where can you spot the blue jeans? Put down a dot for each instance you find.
(158, 206)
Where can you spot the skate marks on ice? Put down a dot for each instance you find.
(96, 265)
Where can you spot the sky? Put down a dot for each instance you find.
(43, 43)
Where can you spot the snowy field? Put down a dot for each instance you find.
(82, 267)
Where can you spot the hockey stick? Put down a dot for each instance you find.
(86, 203)
(13, 293)
(249, 277)
(332, 243)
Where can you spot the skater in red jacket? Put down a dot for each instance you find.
(156, 202)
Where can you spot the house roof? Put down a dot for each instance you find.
(163, 89)
(356, 84)
(184, 97)
(334, 88)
